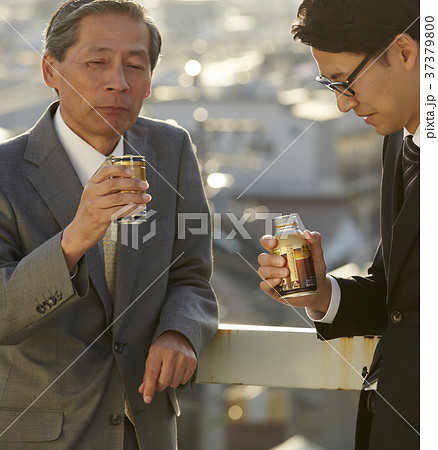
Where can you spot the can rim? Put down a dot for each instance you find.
(129, 158)
(287, 220)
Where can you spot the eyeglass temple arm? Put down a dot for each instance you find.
(359, 68)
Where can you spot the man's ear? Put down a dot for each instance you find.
(49, 69)
(407, 50)
(148, 92)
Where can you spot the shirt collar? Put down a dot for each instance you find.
(86, 159)
(416, 136)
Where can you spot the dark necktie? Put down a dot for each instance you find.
(411, 162)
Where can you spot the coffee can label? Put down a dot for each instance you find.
(301, 279)
(135, 162)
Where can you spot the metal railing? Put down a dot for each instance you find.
(284, 357)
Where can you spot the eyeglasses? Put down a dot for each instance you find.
(343, 87)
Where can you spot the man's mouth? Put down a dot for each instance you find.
(368, 118)
(112, 109)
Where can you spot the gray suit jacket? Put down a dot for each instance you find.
(59, 363)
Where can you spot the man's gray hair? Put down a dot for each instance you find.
(62, 32)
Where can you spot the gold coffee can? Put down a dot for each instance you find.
(296, 250)
(138, 164)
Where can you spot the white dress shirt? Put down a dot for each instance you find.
(86, 159)
(336, 290)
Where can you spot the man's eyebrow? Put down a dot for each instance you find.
(142, 53)
(139, 52)
(335, 76)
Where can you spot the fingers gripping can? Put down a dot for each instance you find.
(138, 164)
(296, 250)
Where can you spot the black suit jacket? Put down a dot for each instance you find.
(387, 303)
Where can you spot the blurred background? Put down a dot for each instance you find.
(270, 141)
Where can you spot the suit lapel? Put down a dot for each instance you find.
(392, 188)
(54, 178)
(400, 218)
(56, 182)
(130, 244)
(405, 231)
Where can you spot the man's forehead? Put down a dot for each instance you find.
(111, 31)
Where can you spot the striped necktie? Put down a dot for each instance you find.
(411, 162)
(109, 244)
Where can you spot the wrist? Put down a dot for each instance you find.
(335, 298)
(322, 298)
(72, 249)
(314, 314)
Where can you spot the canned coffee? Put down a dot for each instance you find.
(138, 164)
(295, 249)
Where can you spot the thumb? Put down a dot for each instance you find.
(314, 240)
(268, 242)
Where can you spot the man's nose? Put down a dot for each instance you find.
(345, 103)
(116, 79)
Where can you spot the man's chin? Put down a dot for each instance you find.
(112, 125)
(386, 128)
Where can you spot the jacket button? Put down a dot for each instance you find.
(58, 295)
(41, 309)
(46, 304)
(116, 419)
(118, 347)
(396, 317)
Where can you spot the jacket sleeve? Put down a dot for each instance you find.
(33, 286)
(362, 310)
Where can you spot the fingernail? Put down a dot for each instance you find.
(147, 399)
(143, 185)
(307, 234)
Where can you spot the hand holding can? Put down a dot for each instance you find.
(295, 249)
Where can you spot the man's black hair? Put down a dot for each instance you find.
(355, 26)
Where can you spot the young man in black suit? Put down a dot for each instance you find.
(367, 52)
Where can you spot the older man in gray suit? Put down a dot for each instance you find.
(83, 366)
